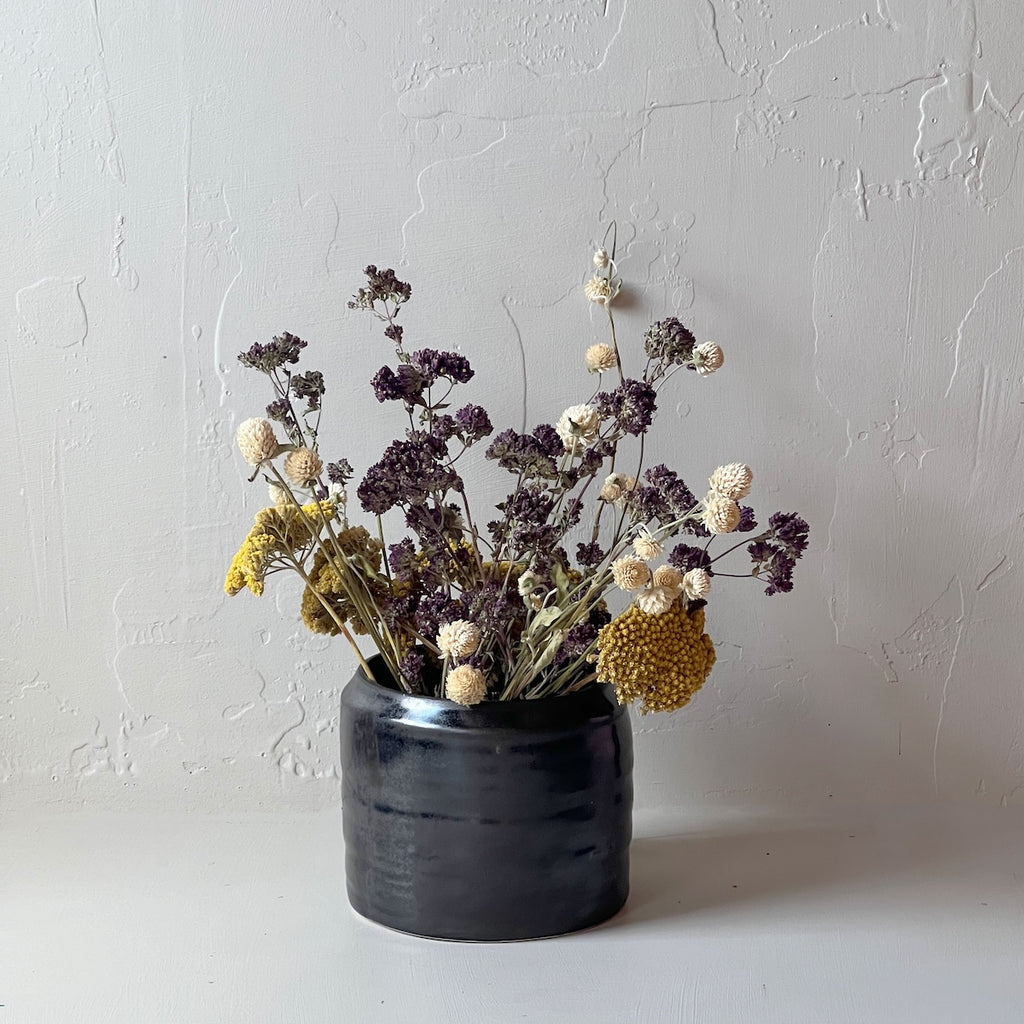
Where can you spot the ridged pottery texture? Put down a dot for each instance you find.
(507, 820)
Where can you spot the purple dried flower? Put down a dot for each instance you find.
(408, 473)
(589, 555)
(267, 358)
(474, 423)
(527, 454)
(632, 406)
(668, 341)
(381, 286)
(339, 472)
(406, 385)
(747, 521)
(775, 554)
(685, 557)
(450, 365)
(279, 411)
(411, 668)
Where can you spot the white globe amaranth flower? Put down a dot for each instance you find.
(707, 357)
(733, 480)
(279, 495)
(578, 426)
(256, 441)
(601, 291)
(458, 639)
(601, 259)
(465, 685)
(697, 584)
(302, 465)
(616, 488)
(721, 514)
(656, 600)
(669, 577)
(630, 573)
(647, 546)
(601, 358)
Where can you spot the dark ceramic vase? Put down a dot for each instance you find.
(507, 820)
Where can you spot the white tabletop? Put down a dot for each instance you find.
(870, 917)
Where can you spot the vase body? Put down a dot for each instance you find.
(506, 820)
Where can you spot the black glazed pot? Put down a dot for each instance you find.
(506, 820)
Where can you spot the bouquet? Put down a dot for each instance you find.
(518, 606)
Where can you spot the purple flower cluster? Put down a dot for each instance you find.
(534, 456)
(340, 472)
(381, 286)
(631, 405)
(776, 552)
(589, 555)
(668, 341)
(409, 473)
(273, 355)
(423, 369)
(525, 526)
(686, 557)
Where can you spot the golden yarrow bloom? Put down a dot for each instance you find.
(732, 480)
(458, 639)
(659, 660)
(601, 358)
(630, 573)
(256, 441)
(302, 465)
(465, 685)
(721, 514)
(274, 531)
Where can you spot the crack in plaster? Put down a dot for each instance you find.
(419, 186)
(958, 341)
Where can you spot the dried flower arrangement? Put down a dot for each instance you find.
(504, 612)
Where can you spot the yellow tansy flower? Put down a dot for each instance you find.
(660, 660)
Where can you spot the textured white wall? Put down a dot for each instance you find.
(831, 191)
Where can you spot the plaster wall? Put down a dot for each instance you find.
(831, 191)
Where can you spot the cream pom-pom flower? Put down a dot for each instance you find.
(256, 441)
(578, 426)
(601, 290)
(669, 577)
(647, 546)
(601, 259)
(600, 358)
(697, 584)
(458, 639)
(302, 465)
(616, 488)
(656, 600)
(465, 685)
(721, 514)
(630, 573)
(733, 480)
(279, 495)
(707, 357)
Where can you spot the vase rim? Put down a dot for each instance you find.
(488, 709)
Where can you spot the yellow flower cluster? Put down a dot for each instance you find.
(274, 531)
(660, 660)
(325, 580)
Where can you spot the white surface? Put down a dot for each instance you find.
(832, 191)
(862, 919)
